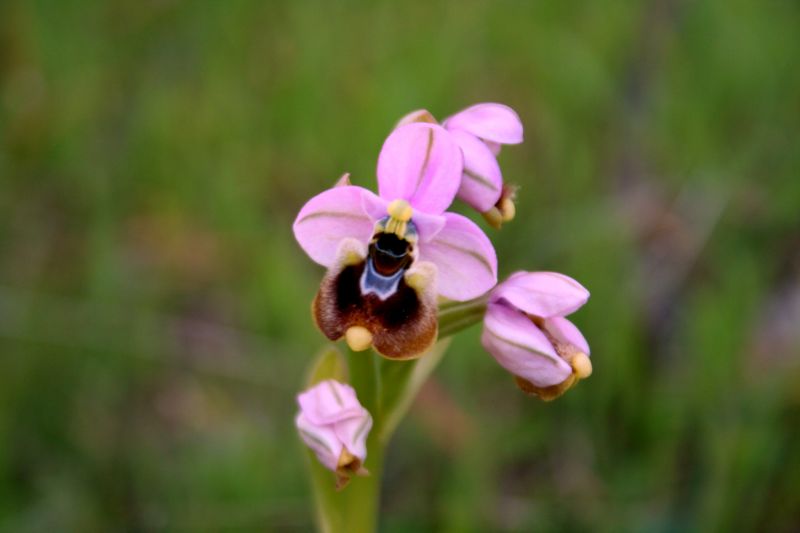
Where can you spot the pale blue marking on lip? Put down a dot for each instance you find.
(375, 283)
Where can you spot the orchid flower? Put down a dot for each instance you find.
(526, 332)
(390, 255)
(335, 426)
(480, 130)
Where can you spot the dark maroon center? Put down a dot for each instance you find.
(389, 253)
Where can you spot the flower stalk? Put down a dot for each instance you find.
(403, 275)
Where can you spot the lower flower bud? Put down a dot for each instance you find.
(335, 426)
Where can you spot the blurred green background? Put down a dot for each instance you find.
(154, 307)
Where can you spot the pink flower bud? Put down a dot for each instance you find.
(526, 332)
(335, 426)
(480, 130)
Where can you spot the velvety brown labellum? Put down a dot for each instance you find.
(403, 325)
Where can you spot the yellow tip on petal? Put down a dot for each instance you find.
(581, 365)
(417, 281)
(344, 180)
(351, 258)
(420, 276)
(400, 210)
(350, 252)
(507, 209)
(493, 217)
(420, 115)
(345, 458)
(358, 338)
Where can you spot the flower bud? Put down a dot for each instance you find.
(526, 332)
(334, 425)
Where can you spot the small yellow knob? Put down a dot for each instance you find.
(358, 338)
(581, 365)
(507, 209)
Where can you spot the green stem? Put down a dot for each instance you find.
(402, 382)
(386, 389)
(453, 317)
(354, 508)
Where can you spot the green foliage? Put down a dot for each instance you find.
(154, 308)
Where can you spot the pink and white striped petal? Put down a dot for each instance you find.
(521, 348)
(322, 440)
(422, 164)
(353, 433)
(543, 294)
(496, 123)
(482, 181)
(565, 331)
(329, 402)
(494, 147)
(465, 259)
(331, 216)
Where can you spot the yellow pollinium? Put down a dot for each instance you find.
(358, 338)
(400, 212)
(507, 209)
(581, 365)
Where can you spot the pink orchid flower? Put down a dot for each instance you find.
(480, 130)
(526, 332)
(335, 426)
(389, 255)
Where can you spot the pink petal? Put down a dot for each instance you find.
(322, 440)
(464, 257)
(422, 164)
(329, 402)
(482, 182)
(492, 122)
(543, 294)
(353, 433)
(565, 331)
(328, 218)
(374, 206)
(494, 147)
(428, 226)
(521, 348)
